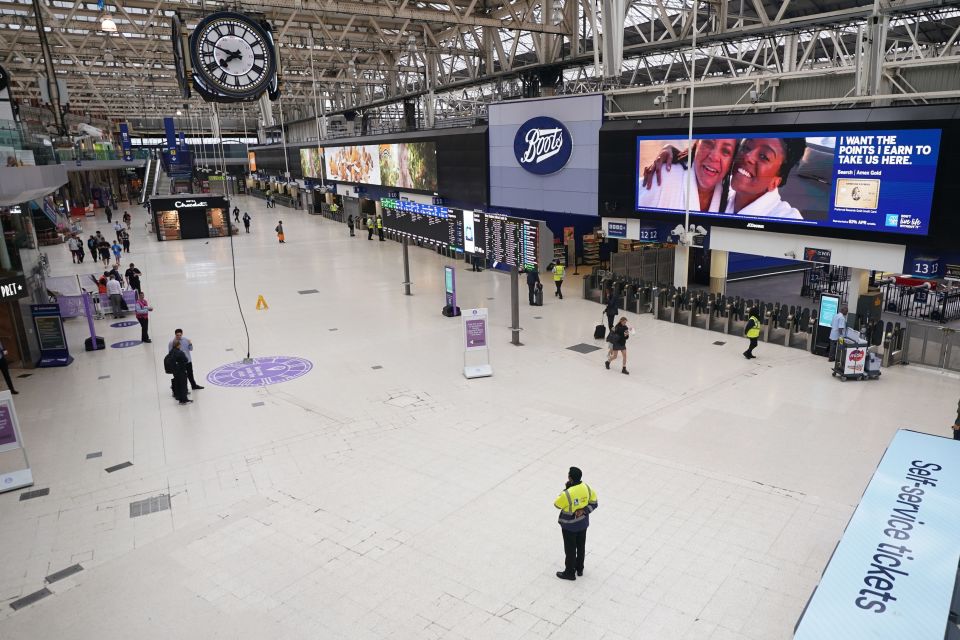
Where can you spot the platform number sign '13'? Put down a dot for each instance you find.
(542, 145)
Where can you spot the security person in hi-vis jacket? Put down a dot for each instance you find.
(575, 504)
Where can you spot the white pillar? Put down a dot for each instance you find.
(859, 281)
(681, 265)
(718, 271)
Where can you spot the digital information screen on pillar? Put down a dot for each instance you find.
(424, 222)
(512, 241)
(864, 180)
(474, 237)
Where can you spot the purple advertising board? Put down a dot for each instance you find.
(8, 434)
(476, 329)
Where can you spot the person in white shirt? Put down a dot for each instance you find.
(760, 168)
(665, 179)
(118, 227)
(115, 291)
(838, 326)
(73, 244)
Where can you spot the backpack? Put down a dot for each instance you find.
(169, 363)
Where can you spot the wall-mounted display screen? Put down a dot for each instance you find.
(474, 240)
(870, 180)
(311, 162)
(251, 161)
(424, 222)
(403, 165)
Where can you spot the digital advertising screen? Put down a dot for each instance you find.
(402, 165)
(311, 162)
(251, 161)
(474, 240)
(865, 180)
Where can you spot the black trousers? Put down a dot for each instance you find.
(574, 547)
(832, 352)
(530, 289)
(380, 234)
(559, 284)
(246, 226)
(369, 233)
(956, 432)
(180, 387)
(5, 370)
(610, 319)
(193, 383)
(753, 345)
(144, 323)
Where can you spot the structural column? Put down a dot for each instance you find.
(681, 265)
(718, 271)
(859, 282)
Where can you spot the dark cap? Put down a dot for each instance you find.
(575, 474)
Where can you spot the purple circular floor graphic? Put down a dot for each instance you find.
(124, 323)
(125, 344)
(261, 372)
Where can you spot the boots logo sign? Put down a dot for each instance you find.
(542, 145)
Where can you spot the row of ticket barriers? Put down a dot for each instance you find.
(788, 325)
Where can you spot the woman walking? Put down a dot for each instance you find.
(618, 344)
(143, 310)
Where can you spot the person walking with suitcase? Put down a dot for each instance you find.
(613, 306)
(618, 344)
(533, 279)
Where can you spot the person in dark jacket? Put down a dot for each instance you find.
(180, 363)
(613, 305)
(618, 343)
(956, 424)
(533, 279)
(577, 501)
(246, 221)
(350, 224)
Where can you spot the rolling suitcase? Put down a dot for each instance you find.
(599, 331)
(538, 296)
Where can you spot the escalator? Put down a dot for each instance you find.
(149, 176)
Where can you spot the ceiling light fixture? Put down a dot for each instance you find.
(108, 25)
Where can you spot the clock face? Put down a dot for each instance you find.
(232, 55)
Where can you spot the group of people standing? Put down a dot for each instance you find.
(179, 363)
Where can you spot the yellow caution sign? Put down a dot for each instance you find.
(261, 303)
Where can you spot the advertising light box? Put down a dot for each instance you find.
(311, 162)
(402, 165)
(866, 180)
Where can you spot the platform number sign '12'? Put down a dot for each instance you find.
(542, 145)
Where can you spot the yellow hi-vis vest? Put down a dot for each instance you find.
(573, 499)
(379, 223)
(558, 272)
(755, 331)
(369, 223)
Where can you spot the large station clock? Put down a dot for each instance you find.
(233, 58)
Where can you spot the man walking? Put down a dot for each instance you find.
(118, 227)
(246, 221)
(752, 332)
(5, 370)
(576, 502)
(186, 346)
(558, 270)
(132, 274)
(236, 214)
(838, 328)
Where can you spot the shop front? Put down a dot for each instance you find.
(187, 217)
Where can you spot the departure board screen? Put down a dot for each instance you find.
(511, 241)
(424, 222)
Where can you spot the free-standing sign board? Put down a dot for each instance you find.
(475, 341)
(11, 446)
(53, 341)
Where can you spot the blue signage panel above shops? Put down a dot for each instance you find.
(892, 575)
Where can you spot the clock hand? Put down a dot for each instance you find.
(232, 53)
